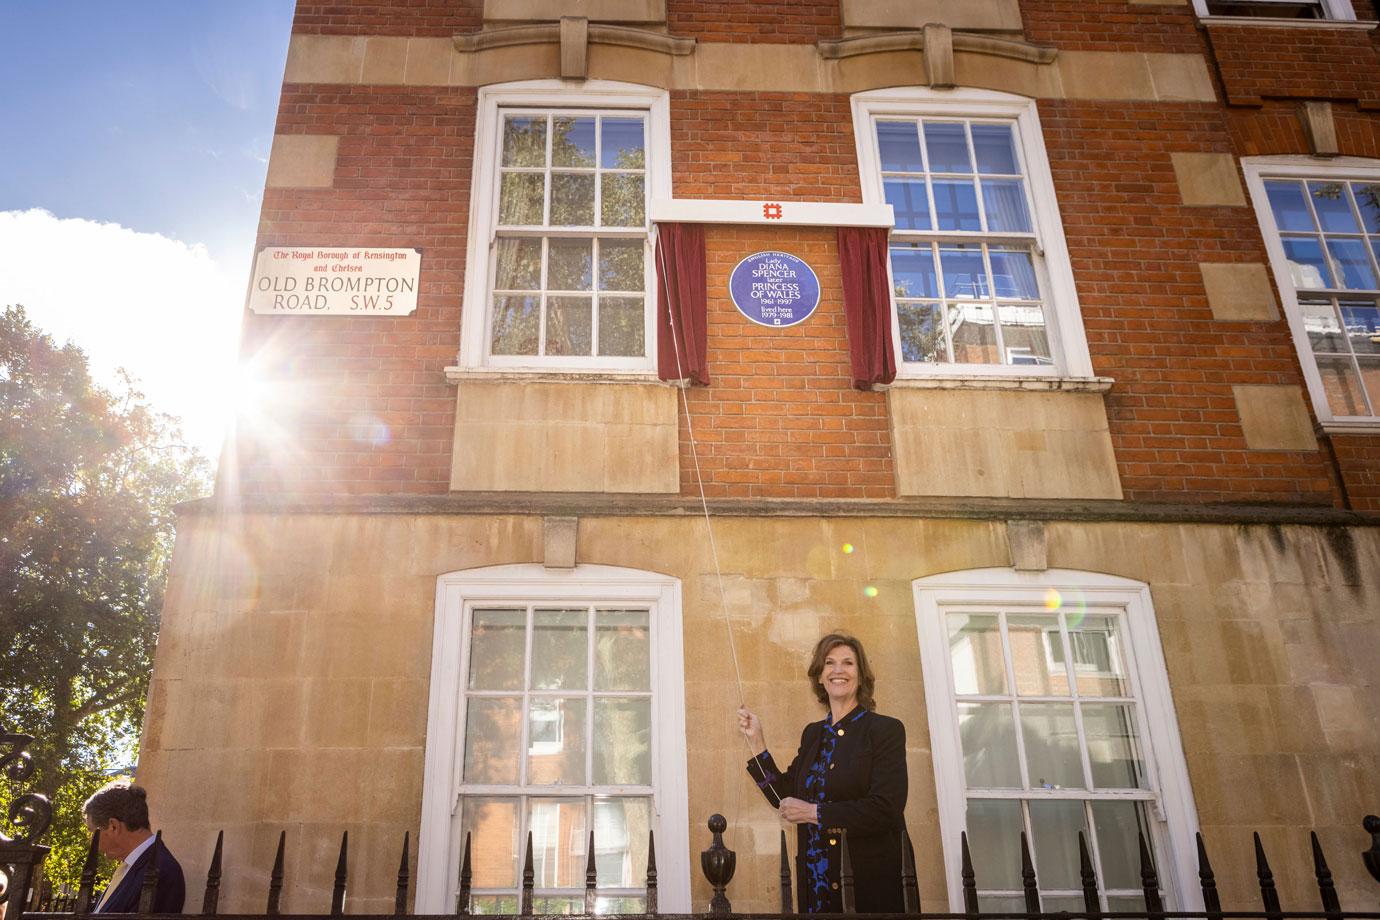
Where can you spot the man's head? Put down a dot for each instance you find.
(120, 811)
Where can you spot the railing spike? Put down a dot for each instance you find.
(1212, 902)
(341, 871)
(970, 898)
(651, 873)
(1030, 887)
(88, 876)
(1269, 896)
(275, 879)
(1371, 858)
(910, 887)
(786, 907)
(462, 899)
(591, 877)
(1092, 902)
(150, 886)
(1327, 889)
(846, 892)
(1149, 878)
(210, 902)
(528, 879)
(718, 864)
(400, 897)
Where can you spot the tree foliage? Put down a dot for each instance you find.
(88, 481)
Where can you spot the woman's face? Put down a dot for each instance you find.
(840, 674)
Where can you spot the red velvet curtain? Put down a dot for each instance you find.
(682, 303)
(867, 304)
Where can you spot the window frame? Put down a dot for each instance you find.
(1333, 11)
(439, 844)
(1172, 809)
(1257, 170)
(1053, 267)
(554, 97)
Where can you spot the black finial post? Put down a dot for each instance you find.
(341, 871)
(1030, 887)
(845, 874)
(462, 899)
(528, 879)
(1212, 902)
(718, 864)
(1092, 903)
(970, 899)
(151, 874)
(400, 897)
(210, 902)
(1371, 857)
(786, 907)
(651, 874)
(88, 876)
(1149, 878)
(910, 887)
(275, 879)
(1269, 897)
(1327, 890)
(591, 877)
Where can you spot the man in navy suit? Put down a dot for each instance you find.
(120, 812)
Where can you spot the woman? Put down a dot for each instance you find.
(849, 774)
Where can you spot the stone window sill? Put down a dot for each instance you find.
(484, 374)
(1356, 427)
(1029, 383)
(1364, 25)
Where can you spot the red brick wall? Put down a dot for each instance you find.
(783, 21)
(780, 418)
(436, 18)
(1111, 25)
(1303, 63)
(1358, 456)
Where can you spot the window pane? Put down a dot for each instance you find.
(556, 741)
(1117, 824)
(964, 274)
(1362, 320)
(572, 141)
(1334, 210)
(1051, 746)
(947, 147)
(1126, 903)
(518, 264)
(560, 642)
(1013, 274)
(1097, 661)
(622, 327)
(622, 660)
(497, 647)
(995, 149)
(557, 905)
(922, 337)
(570, 265)
(493, 829)
(907, 199)
(494, 904)
(975, 652)
(520, 199)
(1023, 332)
(517, 325)
(1323, 328)
(912, 270)
(1054, 827)
(973, 334)
(559, 840)
(493, 729)
(994, 839)
(1368, 203)
(989, 746)
(569, 327)
(1001, 903)
(1352, 264)
(1113, 746)
(623, 144)
(1306, 264)
(899, 145)
(620, 265)
(623, 742)
(955, 204)
(623, 203)
(1057, 902)
(1342, 384)
(622, 904)
(524, 140)
(1037, 654)
(620, 842)
(572, 199)
(1004, 200)
(1288, 205)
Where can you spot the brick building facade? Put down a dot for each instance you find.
(1105, 517)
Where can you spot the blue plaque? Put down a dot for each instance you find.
(774, 289)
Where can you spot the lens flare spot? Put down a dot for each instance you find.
(1053, 600)
(870, 591)
(847, 549)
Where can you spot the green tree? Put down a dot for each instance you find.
(88, 481)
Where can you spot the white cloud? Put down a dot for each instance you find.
(159, 308)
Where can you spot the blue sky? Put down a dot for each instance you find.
(142, 128)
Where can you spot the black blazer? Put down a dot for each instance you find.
(864, 794)
(168, 895)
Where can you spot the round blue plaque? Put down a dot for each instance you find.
(774, 289)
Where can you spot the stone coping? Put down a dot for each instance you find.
(603, 505)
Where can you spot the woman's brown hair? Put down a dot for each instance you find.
(867, 681)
